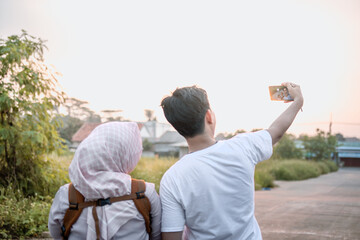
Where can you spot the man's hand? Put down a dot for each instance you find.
(283, 122)
(294, 91)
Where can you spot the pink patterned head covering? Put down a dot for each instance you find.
(100, 169)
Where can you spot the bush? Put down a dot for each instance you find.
(296, 170)
(55, 173)
(21, 216)
(323, 167)
(263, 179)
(332, 165)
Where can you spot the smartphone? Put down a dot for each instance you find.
(279, 93)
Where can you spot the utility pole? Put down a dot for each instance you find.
(330, 124)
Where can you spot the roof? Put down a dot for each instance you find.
(183, 144)
(84, 131)
(349, 150)
(154, 129)
(349, 154)
(171, 137)
(344, 144)
(87, 128)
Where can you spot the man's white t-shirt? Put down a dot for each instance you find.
(211, 191)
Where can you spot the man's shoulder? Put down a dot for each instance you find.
(177, 166)
(178, 170)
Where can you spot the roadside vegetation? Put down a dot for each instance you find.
(290, 170)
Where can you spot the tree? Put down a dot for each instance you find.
(77, 108)
(74, 107)
(339, 137)
(286, 148)
(110, 115)
(147, 146)
(230, 135)
(28, 96)
(69, 126)
(149, 114)
(320, 146)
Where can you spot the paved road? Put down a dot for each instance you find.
(323, 208)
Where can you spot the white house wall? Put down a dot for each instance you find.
(153, 130)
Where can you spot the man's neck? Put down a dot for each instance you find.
(200, 142)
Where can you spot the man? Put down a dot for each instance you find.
(210, 190)
(287, 96)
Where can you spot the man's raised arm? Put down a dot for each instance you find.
(283, 122)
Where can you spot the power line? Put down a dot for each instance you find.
(347, 123)
(338, 123)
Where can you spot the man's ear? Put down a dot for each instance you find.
(209, 117)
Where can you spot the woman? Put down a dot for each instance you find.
(100, 169)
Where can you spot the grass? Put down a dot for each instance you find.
(152, 169)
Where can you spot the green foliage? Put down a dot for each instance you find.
(323, 167)
(230, 135)
(320, 146)
(290, 170)
(69, 127)
(54, 173)
(26, 216)
(152, 169)
(147, 146)
(256, 129)
(28, 97)
(263, 179)
(333, 167)
(22, 216)
(77, 109)
(339, 137)
(286, 148)
(295, 170)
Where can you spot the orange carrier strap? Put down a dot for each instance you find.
(77, 204)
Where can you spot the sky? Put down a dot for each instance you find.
(128, 55)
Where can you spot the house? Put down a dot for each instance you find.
(153, 130)
(171, 143)
(164, 139)
(348, 153)
(82, 133)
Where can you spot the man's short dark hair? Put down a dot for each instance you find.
(185, 110)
